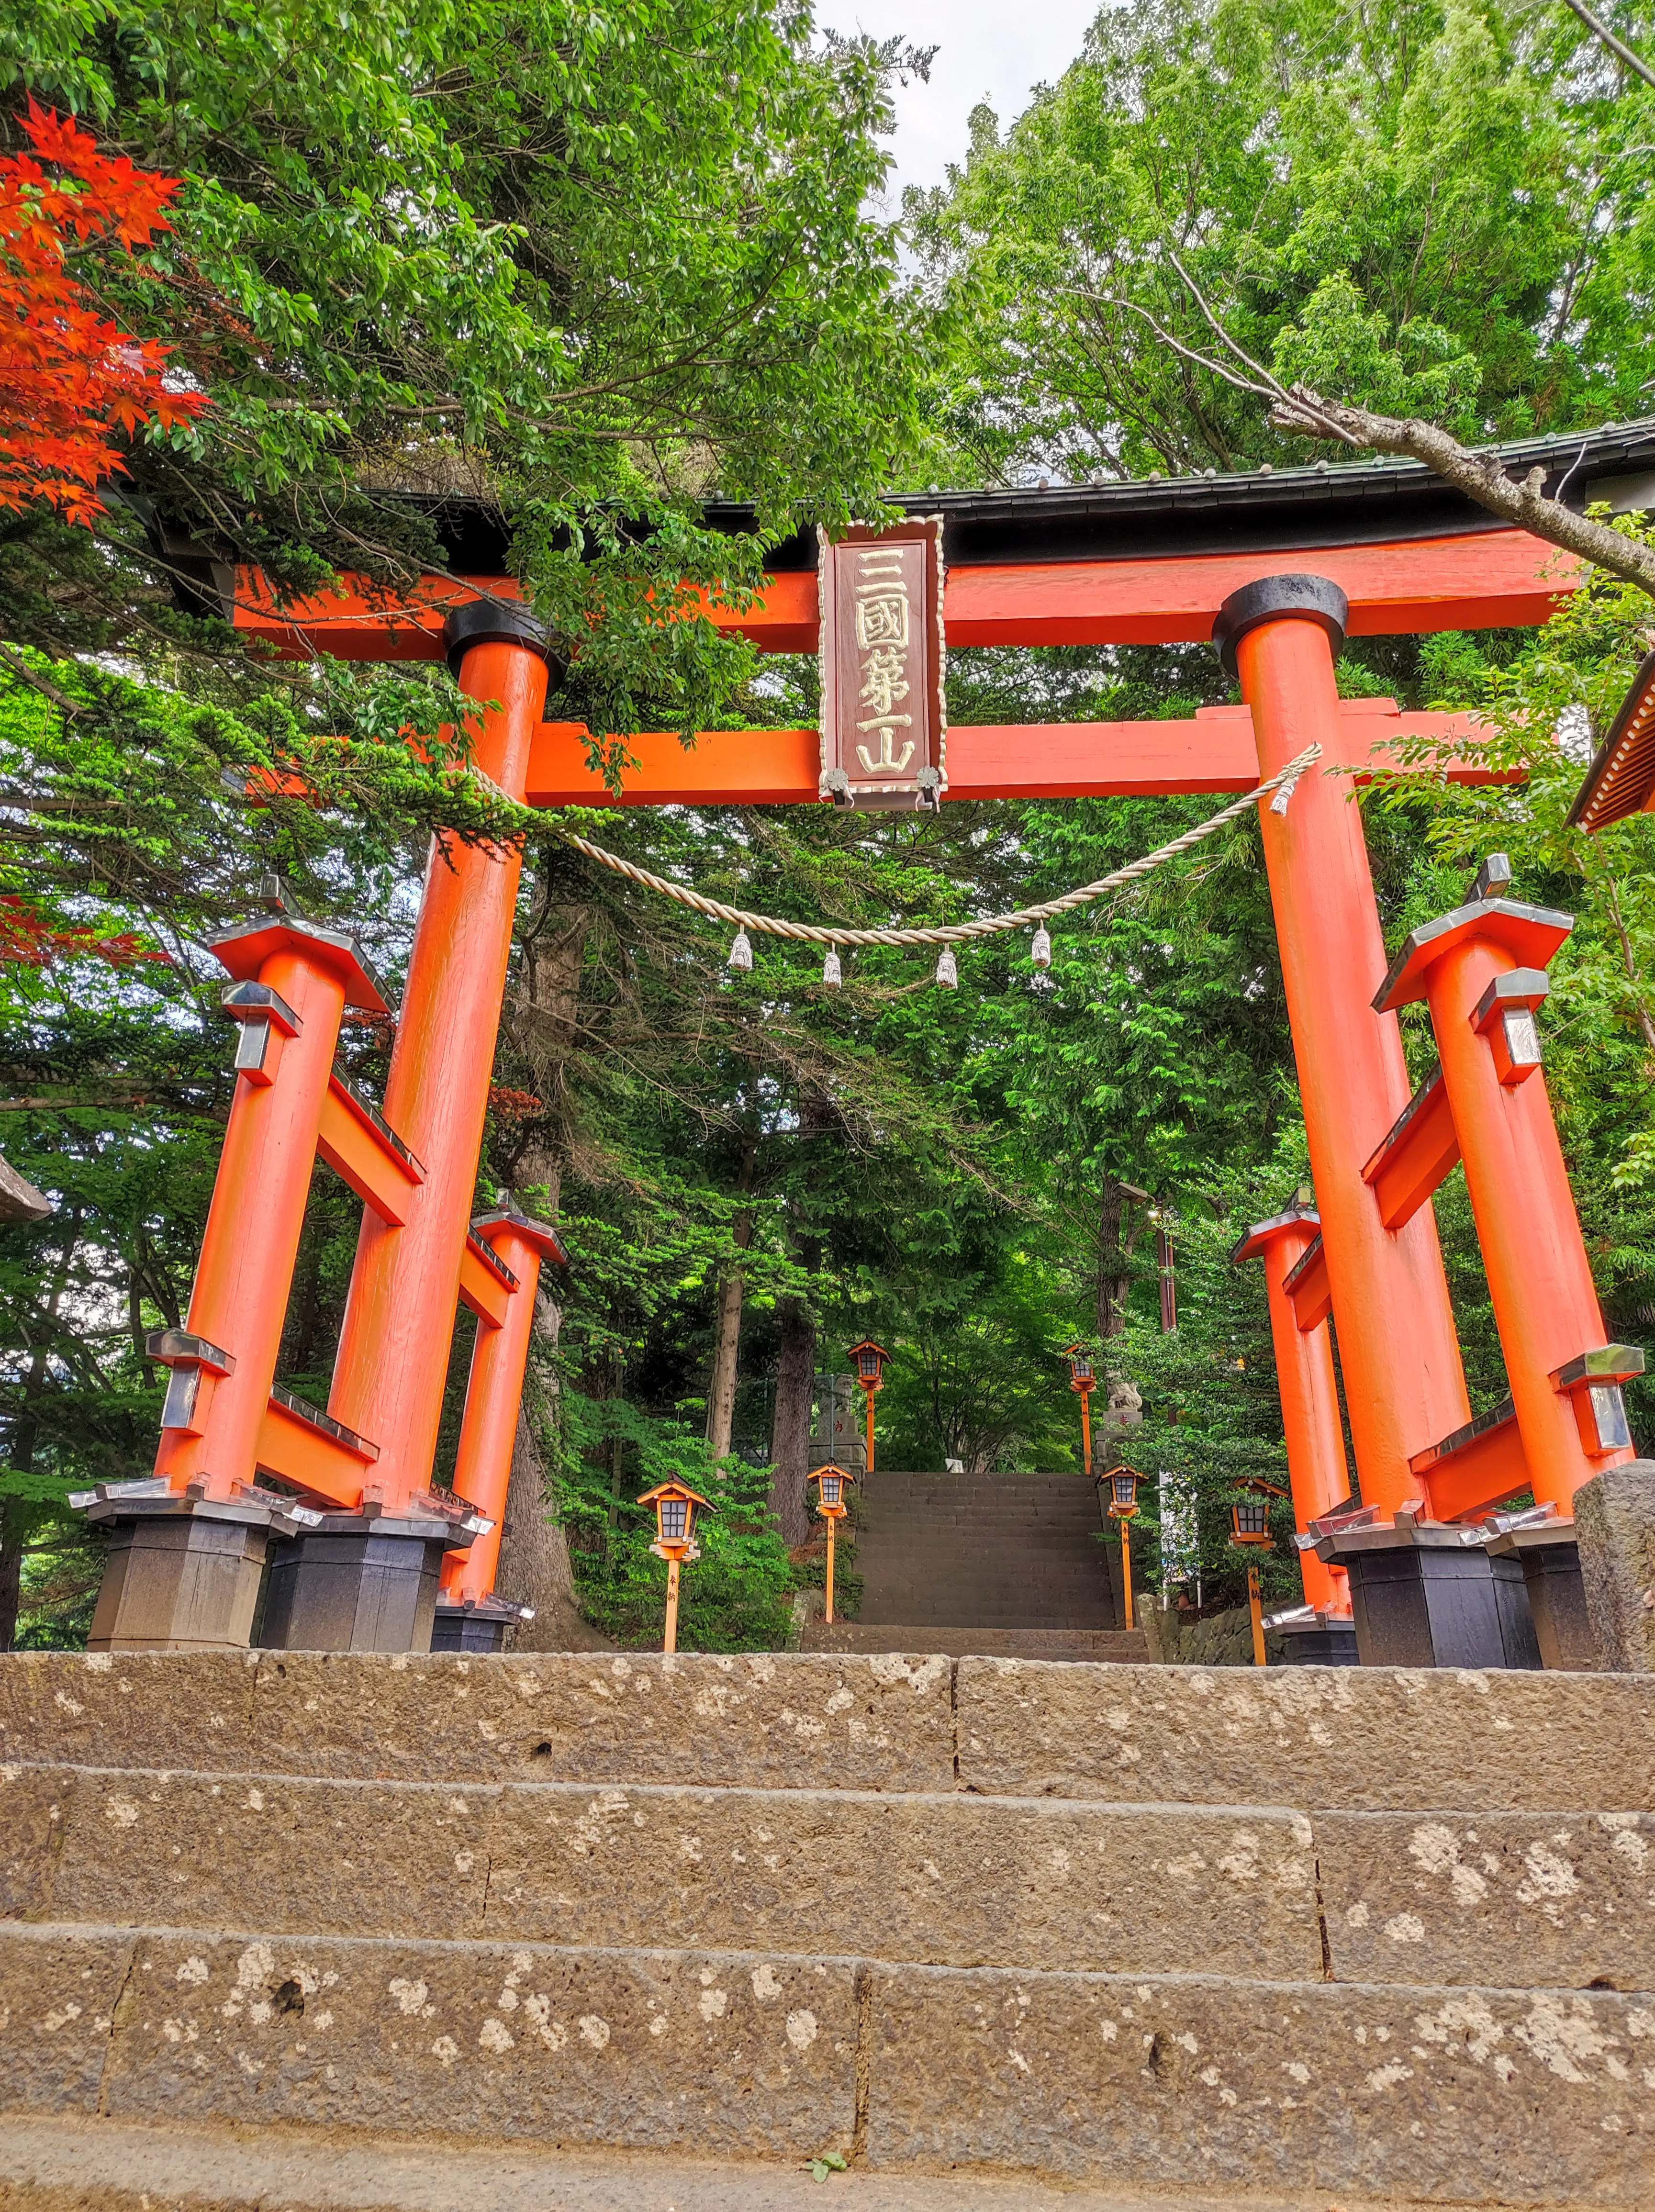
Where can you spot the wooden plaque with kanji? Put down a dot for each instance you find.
(884, 720)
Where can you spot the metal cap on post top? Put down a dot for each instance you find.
(1254, 1243)
(502, 1219)
(493, 621)
(1274, 599)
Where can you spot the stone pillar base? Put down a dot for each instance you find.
(477, 1625)
(183, 1573)
(1421, 1597)
(1615, 1528)
(352, 1583)
(1313, 1638)
(1551, 1560)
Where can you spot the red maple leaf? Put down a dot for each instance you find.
(69, 376)
(28, 941)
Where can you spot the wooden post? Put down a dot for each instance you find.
(392, 1361)
(827, 1613)
(1126, 1562)
(870, 1439)
(671, 1641)
(1404, 1387)
(1256, 1610)
(1086, 1429)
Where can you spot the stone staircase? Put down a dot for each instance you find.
(1353, 1930)
(1007, 1564)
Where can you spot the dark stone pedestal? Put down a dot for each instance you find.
(182, 1574)
(1308, 1639)
(1421, 1597)
(1551, 1560)
(354, 1584)
(479, 1625)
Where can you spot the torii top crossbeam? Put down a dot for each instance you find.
(1122, 564)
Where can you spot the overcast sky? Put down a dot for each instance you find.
(992, 50)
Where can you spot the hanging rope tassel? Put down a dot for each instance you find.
(1283, 798)
(741, 952)
(1040, 951)
(831, 975)
(947, 968)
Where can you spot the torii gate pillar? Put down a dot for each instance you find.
(1404, 1385)
(389, 1377)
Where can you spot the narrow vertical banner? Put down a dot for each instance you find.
(884, 723)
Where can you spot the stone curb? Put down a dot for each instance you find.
(1247, 2084)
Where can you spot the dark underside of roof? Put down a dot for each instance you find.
(1367, 503)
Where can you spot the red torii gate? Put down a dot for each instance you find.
(1276, 571)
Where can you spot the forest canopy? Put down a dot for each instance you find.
(590, 269)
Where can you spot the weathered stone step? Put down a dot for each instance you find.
(1101, 1646)
(1493, 2095)
(71, 2165)
(952, 1879)
(1379, 1738)
(955, 1879)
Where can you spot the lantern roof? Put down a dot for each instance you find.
(674, 1488)
(1259, 1487)
(844, 1473)
(866, 1345)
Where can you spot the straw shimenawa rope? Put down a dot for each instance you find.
(958, 933)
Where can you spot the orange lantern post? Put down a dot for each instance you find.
(676, 1507)
(832, 1505)
(870, 1359)
(1250, 1523)
(1083, 1378)
(1123, 1494)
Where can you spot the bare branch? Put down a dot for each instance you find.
(20, 668)
(1480, 476)
(1605, 37)
(1202, 361)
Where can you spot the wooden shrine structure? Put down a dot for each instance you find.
(1276, 569)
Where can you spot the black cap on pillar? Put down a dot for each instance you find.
(493, 621)
(1269, 600)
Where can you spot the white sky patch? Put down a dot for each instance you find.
(989, 50)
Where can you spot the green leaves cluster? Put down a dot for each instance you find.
(1437, 209)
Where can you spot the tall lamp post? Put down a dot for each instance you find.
(870, 1359)
(1250, 1524)
(1083, 1378)
(830, 1503)
(1122, 1493)
(676, 1507)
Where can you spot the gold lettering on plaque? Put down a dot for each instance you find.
(882, 636)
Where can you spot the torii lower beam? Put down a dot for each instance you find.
(1215, 752)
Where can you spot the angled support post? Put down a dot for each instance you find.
(1310, 1394)
(470, 1616)
(1404, 1385)
(1481, 968)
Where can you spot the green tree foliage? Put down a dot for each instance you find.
(579, 266)
(1439, 210)
(588, 267)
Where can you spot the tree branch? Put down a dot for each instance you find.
(1480, 476)
(1605, 37)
